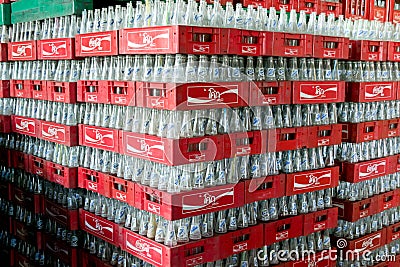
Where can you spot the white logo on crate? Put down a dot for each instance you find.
(328, 53)
(313, 181)
(98, 227)
(59, 98)
(96, 43)
(52, 132)
(153, 208)
(319, 226)
(208, 200)
(372, 56)
(396, 56)
(213, 96)
(372, 169)
(378, 90)
(145, 148)
(120, 196)
(249, 49)
(24, 125)
(319, 92)
(148, 39)
(21, 50)
(291, 52)
(92, 186)
(144, 247)
(201, 48)
(239, 247)
(20, 94)
(54, 49)
(368, 243)
(282, 235)
(99, 137)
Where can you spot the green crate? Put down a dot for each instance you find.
(5, 14)
(51, 9)
(24, 5)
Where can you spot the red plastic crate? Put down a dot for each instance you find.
(314, 180)
(38, 166)
(28, 234)
(189, 96)
(39, 90)
(285, 138)
(186, 204)
(320, 220)
(172, 151)
(121, 93)
(245, 143)
(93, 181)
(24, 125)
(58, 133)
(259, 93)
(241, 240)
(25, 50)
(67, 177)
(392, 233)
(368, 50)
(394, 164)
(308, 6)
(319, 259)
(4, 89)
(96, 44)
(394, 15)
(20, 160)
(257, 189)
(362, 132)
(21, 88)
(28, 200)
(52, 49)
(22, 261)
(98, 137)
(122, 190)
(366, 170)
(318, 92)
(371, 91)
(187, 254)
(288, 5)
(353, 211)
(63, 216)
(249, 43)
(369, 242)
(324, 135)
(378, 13)
(65, 92)
(341, 50)
(99, 227)
(390, 128)
(263, 3)
(174, 40)
(393, 53)
(283, 229)
(330, 8)
(92, 92)
(5, 124)
(388, 200)
(281, 46)
(60, 250)
(3, 52)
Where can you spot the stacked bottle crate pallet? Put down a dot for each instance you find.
(187, 134)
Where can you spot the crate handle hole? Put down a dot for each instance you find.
(365, 206)
(120, 187)
(156, 92)
(270, 90)
(92, 178)
(59, 89)
(202, 37)
(283, 227)
(91, 89)
(369, 129)
(241, 238)
(197, 147)
(393, 126)
(324, 133)
(373, 48)
(331, 45)
(292, 42)
(249, 40)
(244, 141)
(322, 218)
(389, 198)
(267, 185)
(118, 90)
(288, 136)
(37, 87)
(194, 251)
